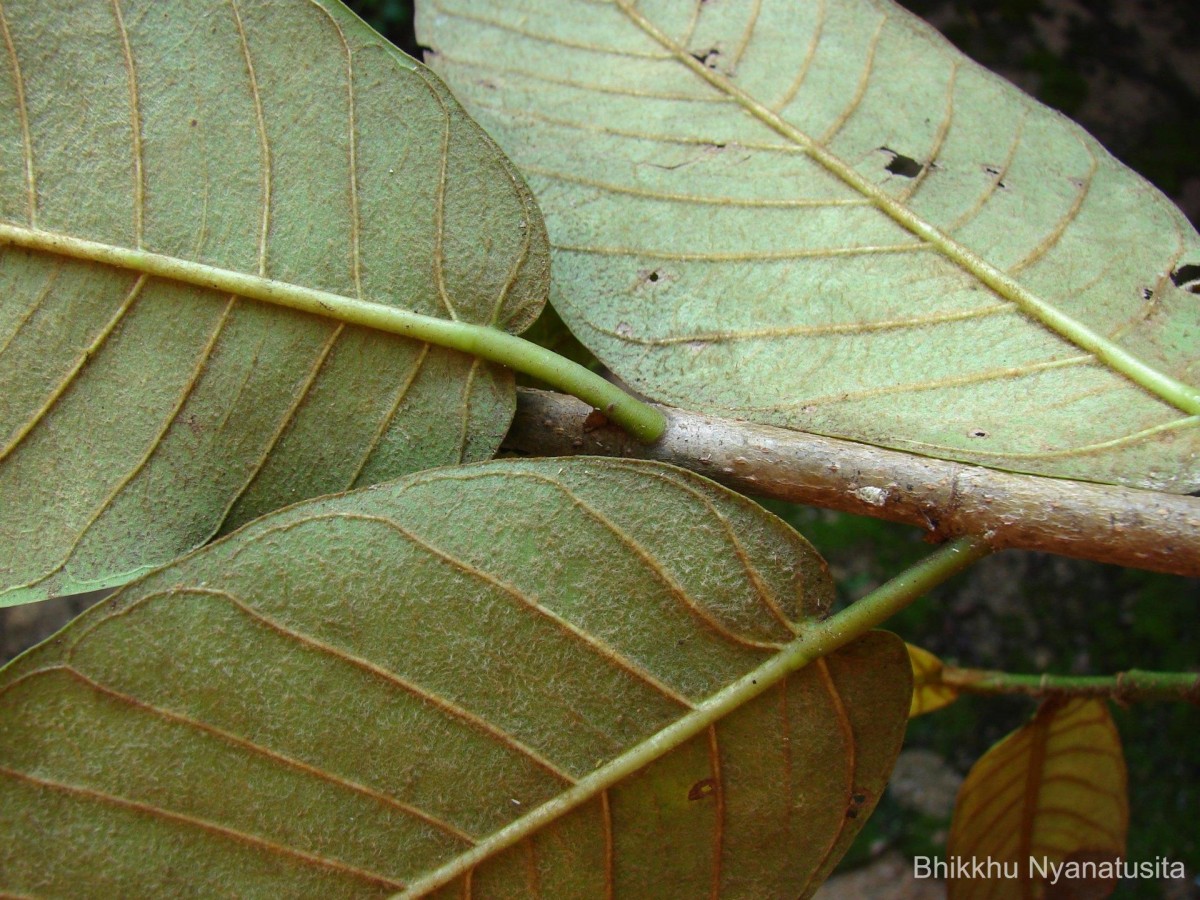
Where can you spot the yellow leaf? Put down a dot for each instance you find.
(1045, 812)
(929, 693)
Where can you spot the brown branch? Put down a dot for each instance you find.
(1128, 527)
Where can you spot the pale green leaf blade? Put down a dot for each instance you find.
(139, 416)
(821, 216)
(346, 695)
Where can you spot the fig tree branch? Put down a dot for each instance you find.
(1124, 526)
(1133, 686)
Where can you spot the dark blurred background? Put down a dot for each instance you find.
(1129, 71)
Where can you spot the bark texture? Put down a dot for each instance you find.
(1127, 527)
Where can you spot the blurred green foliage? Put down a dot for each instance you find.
(391, 18)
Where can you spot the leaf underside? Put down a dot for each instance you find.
(139, 416)
(799, 213)
(354, 691)
(1055, 789)
(929, 693)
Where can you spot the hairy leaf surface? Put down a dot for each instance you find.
(820, 215)
(140, 416)
(349, 694)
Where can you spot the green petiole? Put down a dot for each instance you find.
(641, 420)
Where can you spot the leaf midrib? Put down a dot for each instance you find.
(818, 640)
(809, 647)
(1183, 396)
(482, 341)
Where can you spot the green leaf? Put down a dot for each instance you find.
(821, 216)
(279, 141)
(550, 676)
